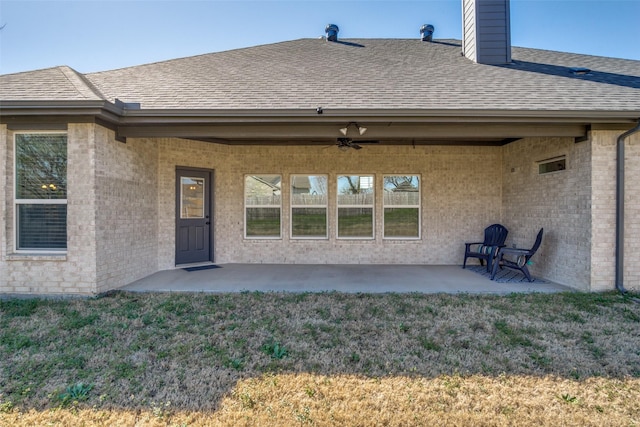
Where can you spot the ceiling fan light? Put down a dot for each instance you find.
(361, 129)
(344, 130)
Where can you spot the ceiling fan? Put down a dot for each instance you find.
(346, 143)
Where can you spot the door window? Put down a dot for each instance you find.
(191, 197)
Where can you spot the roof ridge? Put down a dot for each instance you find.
(80, 82)
(166, 61)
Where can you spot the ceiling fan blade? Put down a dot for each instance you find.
(355, 146)
(366, 141)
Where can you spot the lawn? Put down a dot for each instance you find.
(320, 359)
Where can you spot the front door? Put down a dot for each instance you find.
(193, 211)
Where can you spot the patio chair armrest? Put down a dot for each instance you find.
(514, 251)
(482, 248)
(474, 243)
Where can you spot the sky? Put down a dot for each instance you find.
(97, 35)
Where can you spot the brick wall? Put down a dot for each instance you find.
(461, 194)
(126, 209)
(121, 207)
(73, 273)
(4, 203)
(604, 212)
(559, 201)
(603, 199)
(632, 214)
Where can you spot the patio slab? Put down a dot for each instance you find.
(351, 278)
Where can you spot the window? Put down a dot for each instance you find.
(191, 197)
(262, 199)
(41, 191)
(355, 206)
(552, 165)
(309, 207)
(401, 201)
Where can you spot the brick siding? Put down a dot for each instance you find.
(558, 201)
(121, 207)
(460, 196)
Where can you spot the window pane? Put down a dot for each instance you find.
(309, 222)
(42, 226)
(355, 190)
(191, 197)
(41, 166)
(262, 190)
(401, 222)
(554, 166)
(263, 222)
(355, 222)
(401, 190)
(307, 190)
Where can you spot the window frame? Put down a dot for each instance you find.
(419, 206)
(17, 201)
(244, 201)
(292, 206)
(561, 158)
(372, 206)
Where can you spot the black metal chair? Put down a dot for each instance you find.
(517, 259)
(494, 237)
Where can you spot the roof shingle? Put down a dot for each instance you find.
(352, 74)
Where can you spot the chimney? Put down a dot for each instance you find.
(486, 31)
(332, 32)
(426, 32)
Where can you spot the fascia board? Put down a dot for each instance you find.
(149, 116)
(117, 115)
(103, 110)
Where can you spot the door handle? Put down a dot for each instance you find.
(207, 223)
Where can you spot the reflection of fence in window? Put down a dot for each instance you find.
(262, 206)
(355, 207)
(401, 200)
(263, 222)
(309, 206)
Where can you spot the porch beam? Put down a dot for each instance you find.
(374, 131)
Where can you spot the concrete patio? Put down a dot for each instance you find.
(352, 278)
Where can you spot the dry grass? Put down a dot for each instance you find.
(321, 359)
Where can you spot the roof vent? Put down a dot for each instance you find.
(332, 32)
(579, 71)
(426, 32)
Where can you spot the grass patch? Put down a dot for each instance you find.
(320, 359)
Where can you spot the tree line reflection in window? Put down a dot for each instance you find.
(41, 191)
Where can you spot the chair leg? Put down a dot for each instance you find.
(496, 265)
(464, 263)
(525, 271)
(494, 270)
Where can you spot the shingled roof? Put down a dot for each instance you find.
(376, 74)
(58, 83)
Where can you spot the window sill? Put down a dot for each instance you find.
(36, 257)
